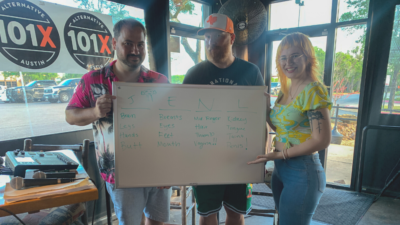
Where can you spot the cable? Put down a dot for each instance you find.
(392, 171)
(6, 171)
(11, 213)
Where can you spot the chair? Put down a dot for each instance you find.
(89, 162)
(185, 192)
(29, 146)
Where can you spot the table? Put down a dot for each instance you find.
(34, 205)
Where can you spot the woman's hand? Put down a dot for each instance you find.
(267, 157)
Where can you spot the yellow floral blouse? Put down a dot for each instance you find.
(291, 121)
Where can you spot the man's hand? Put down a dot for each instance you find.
(103, 105)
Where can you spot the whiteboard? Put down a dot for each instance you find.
(167, 135)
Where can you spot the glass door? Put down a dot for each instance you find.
(345, 93)
(345, 96)
(380, 102)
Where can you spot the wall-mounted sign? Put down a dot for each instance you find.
(29, 37)
(46, 37)
(88, 40)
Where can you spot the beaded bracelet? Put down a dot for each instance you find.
(286, 155)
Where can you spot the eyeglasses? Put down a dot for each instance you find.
(293, 57)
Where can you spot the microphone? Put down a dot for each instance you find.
(19, 182)
(44, 175)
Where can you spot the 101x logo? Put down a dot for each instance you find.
(28, 36)
(88, 40)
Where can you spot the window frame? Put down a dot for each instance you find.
(184, 30)
(191, 32)
(11, 143)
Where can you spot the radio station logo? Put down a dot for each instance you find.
(88, 40)
(28, 36)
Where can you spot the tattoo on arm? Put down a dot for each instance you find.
(315, 115)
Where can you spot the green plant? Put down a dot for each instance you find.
(274, 79)
(177, 79)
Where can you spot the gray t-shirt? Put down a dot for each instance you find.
(239, 73)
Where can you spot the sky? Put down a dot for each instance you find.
(283, 15)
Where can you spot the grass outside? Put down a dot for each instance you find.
(177, 79)
(396, 107)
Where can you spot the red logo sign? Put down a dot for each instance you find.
(211, 20)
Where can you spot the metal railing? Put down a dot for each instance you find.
(337, 113)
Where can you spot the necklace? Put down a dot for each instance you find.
(290, 91)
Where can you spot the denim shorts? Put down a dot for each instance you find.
(297, 187)
(131, 202)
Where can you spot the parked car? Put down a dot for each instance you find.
(62, 92)
(34, 91)
(3, 96)
(275, 88)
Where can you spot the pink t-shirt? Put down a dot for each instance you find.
(93, 85)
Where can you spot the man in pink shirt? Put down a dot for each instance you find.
(92, 103)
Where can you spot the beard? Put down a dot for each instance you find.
(132, 64)
(216, 53)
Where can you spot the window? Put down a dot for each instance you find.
(185, 52)
(188, 12)
(11, 84)
(33, 114)
(391, 97)
(352, 10)
(300, 13)
(348, 64)
(190, 52)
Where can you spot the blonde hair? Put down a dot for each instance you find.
(303, 42)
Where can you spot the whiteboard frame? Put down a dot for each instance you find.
(161, 85)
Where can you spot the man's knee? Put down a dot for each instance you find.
(210, 219)
(233, 215)
(153, 222)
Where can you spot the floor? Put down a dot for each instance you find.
(339, 165)
(386, 211)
